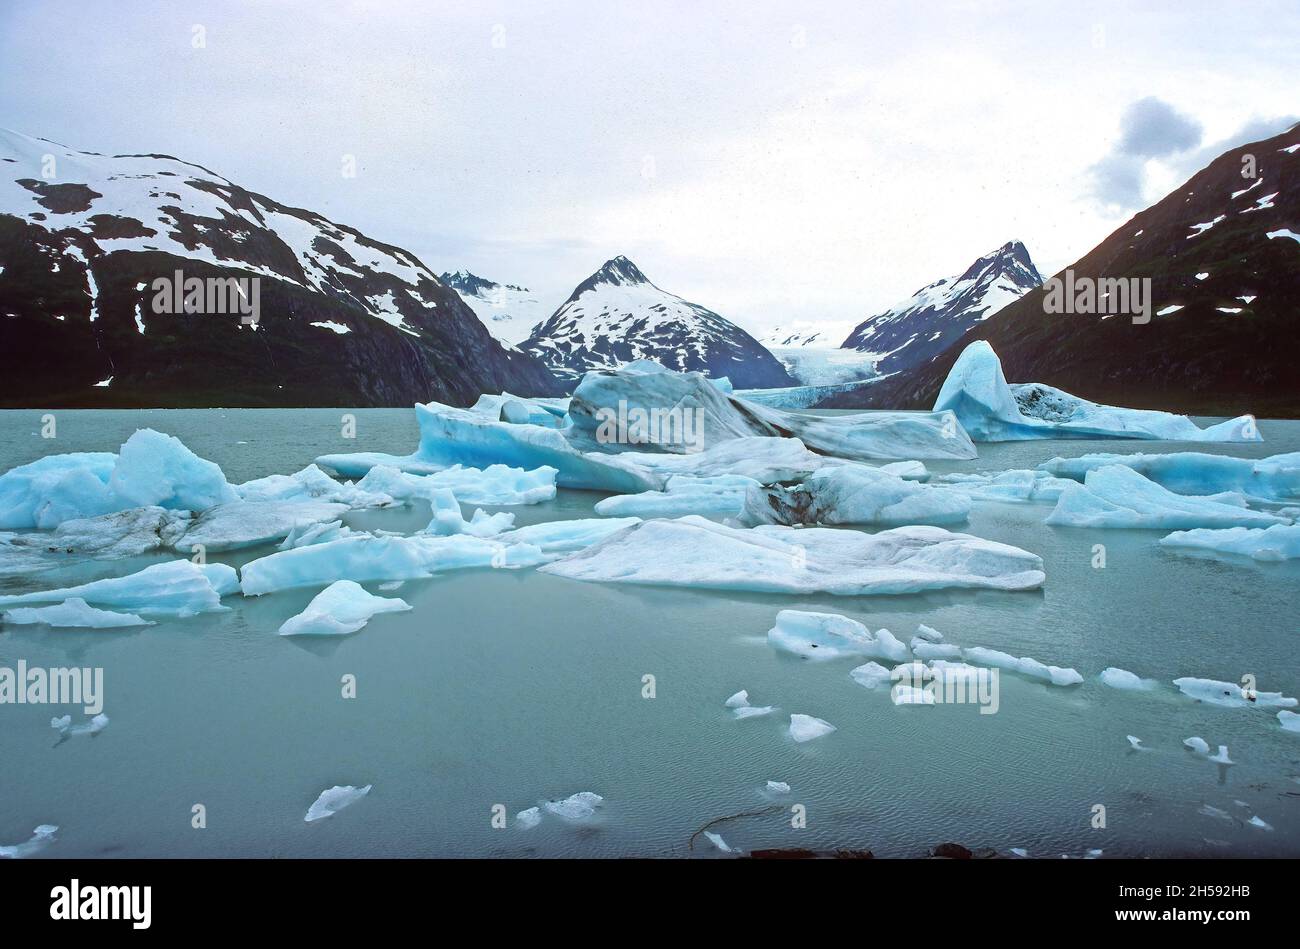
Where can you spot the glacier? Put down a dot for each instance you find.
(1117, 496)
(695, 552)
(342, 607)
(977, 392)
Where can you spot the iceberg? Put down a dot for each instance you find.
(739, 700)
(753, 711)
(1124, 680)
(695, 552)
(806, 728)
(41, 838)
(1056, 675)
(577, 808)
(311, 484)
(778, 787)
(126, 533)
(496, 484)
(1018, 484)
(528, 818)
(719, 496)
(1230, 694)
(243, 524)
(565, 537)
(55, 489)
(926, 651)
(176, 588)
(871, 675)
(1279, 542)
(342, 607)
(854, 494)
(315, 534)
(1272, 479)
(1290, 721)
(332, 800)
(976, 391)
(157, 469)
(1117, 496)
(832, 636)
(1198, 744)
(73, 612)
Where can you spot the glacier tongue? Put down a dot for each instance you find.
(993, 411)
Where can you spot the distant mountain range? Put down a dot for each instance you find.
(617, 316)
(913, 332)
(1222, 257)
(343, 320)
(509, 312)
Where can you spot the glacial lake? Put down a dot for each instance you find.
(514, 687)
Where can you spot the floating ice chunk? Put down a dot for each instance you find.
(720, 496)
(310, 534)
(1117, 496)
(778, 787)
(1018, 484)
(806, 728)
(1222, 757)
(1197, 744)
(692, 551)
(832, 636)
(528, 818)
(1136, 743)
(911, 695)
(1257, 821)
(1020, 851)
(1125, 680)
(870, 675)
(1230, 694)
(157, 469)
(447, 519)
(1056, 675)
(1279, 542)
(1290, 721)
(577, 808)
(128, 533)
(928, 633)
(558, 537)
(1276, 478)
(739, 700)
(332, 800)
(392, 585)
(926, 650)
(73, 611)
(342, 607)
(496, 484)
(364, 557)
(764, 459)
(41, 838)
(177, 588)
(976, 391)
(752, 711)
(311, 484)
(251, 523)
(854, 494)
(63, 725)
(1218, 813)
(57, 488)
(717, 841)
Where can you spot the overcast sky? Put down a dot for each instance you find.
(776, 162)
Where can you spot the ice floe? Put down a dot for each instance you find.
(1125, 681)
(176, 588)
(717, 841)
(739, 700)
(1222, 756)
(63, 725)
(41, 838)
(528, 818)
(1118, 496)
(1230, 694)
(342, 607)
(806, 728)
(832, 636)
(1279, 542)
(252, 523)
(1197, 744)
(870, 675)
(332, 800)
(1056, 675)
(1276, 478)
(720, 496)
(73, 612)
(695, 552)
(991, 410)
(495, 484)
(1290, 721)
(1018, 484)
(576, 808)
(854, 494)
(778, 787)
(1136, 743)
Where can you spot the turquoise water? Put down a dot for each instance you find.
(509, 687)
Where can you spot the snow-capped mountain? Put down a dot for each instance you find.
(932, 319)
(617, 316)
(1217, 265)
(343, 319)
(510, 312)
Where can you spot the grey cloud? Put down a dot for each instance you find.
(1152, 128)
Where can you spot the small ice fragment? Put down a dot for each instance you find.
(739, 700)
(717, 841)
(1125, 680)
(870, 675)
(40, 839)
(1020, 851)
(806, 728)
(1209, 810)
(64, 725)
(529, 818)
(73, 612)
(1222, 756)
(1259, 822)
(392, 585)
(342, 607)
(576, 807)
(778, 787)
(753, 711)
(1197, 744)
(1289, 720)
(928, 633)
(911, 695)
(332, 800)
(1136, 743)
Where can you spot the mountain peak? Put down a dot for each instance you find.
(1013, 259)
(619, 270)
(462, 281)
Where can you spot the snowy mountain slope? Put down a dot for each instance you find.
(617, 316)
(1222, 253)
(344, 320)
(509, 312)
(932, 319)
